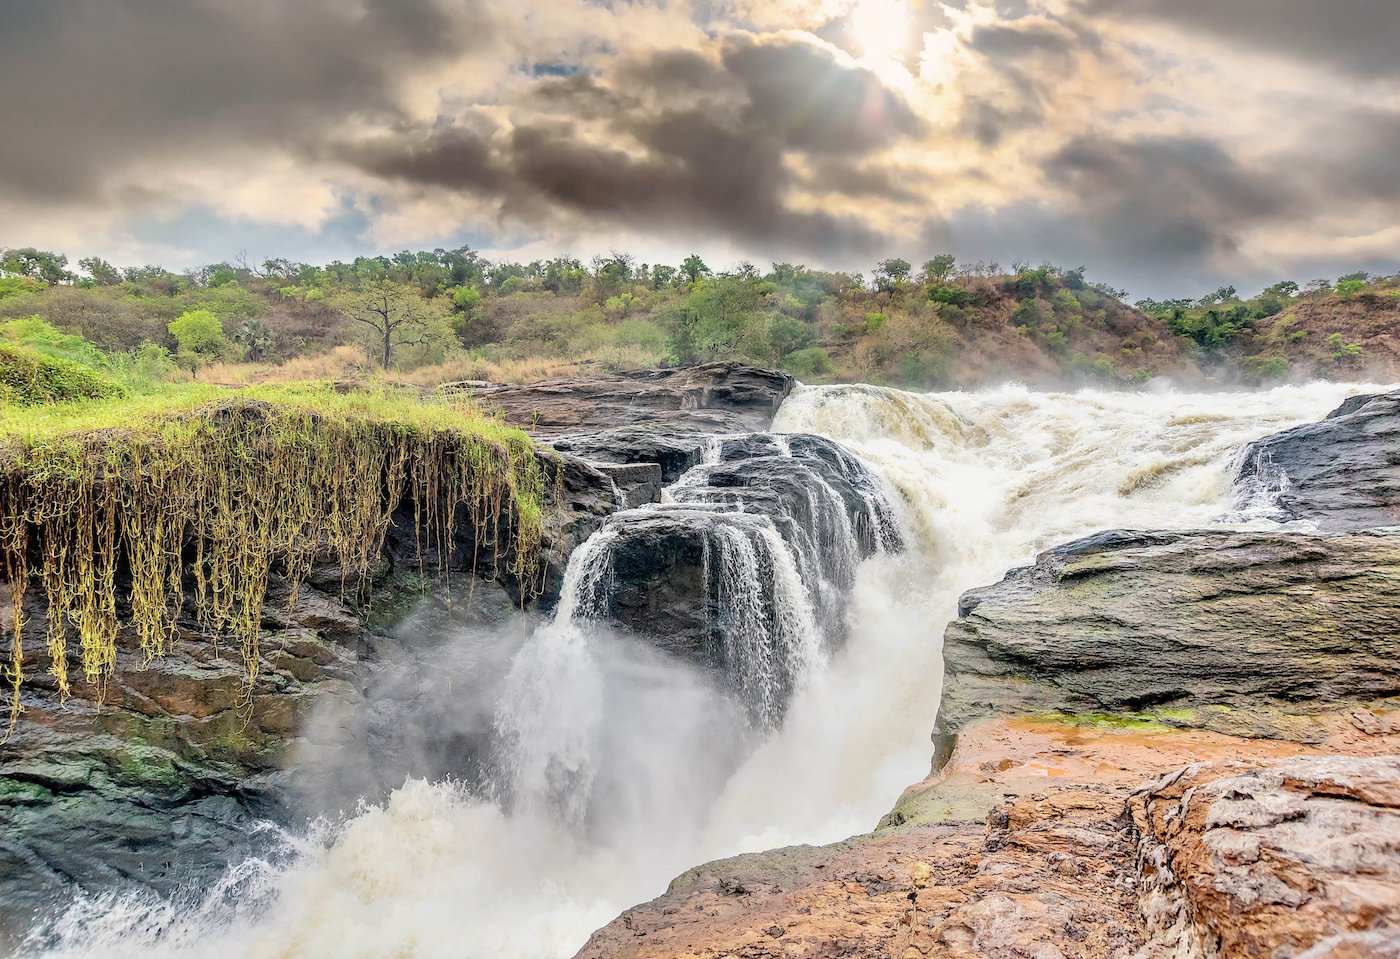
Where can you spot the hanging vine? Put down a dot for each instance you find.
(216, 499)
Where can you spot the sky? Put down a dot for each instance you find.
(1169, 146)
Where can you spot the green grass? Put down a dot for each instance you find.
(29, 379)
(144, 411)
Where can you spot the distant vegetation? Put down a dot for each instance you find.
(430, 317)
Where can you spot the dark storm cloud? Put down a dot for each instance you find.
(1028, 57)
(1175, 201)
(1354, 154)
(1356, 36)
(97, 83)
(709, 153)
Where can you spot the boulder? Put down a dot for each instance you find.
(1248, 633)
(747, 568)
(1340, 474)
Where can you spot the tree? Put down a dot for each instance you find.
(939, 269)
(39, 265)
(1282, 289)
(693, 268)
(102, 272)
(466, 299)
(199, 337)
(255, 337)
(891, 274)
(393, 314)
(724, 312)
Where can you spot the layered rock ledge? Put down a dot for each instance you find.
(716, 397)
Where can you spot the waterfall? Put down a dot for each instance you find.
(629, 760)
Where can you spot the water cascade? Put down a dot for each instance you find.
(622, 758)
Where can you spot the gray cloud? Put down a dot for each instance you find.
(1355, 36)
(1178, 202)
(95, 83)
(712, 147)
(1028, 58)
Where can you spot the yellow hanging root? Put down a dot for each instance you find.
(232, 491)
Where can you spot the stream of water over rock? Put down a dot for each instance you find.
(619, 767)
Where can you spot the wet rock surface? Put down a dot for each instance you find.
(1248, 633)
(715, 397)
(1340, 474)
(753, 552)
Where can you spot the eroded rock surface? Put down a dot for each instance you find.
(1041, 846)
(1248, 633)
(1340, 474)
(1277, 860)
(716, 397)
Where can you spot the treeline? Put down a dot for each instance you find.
(452, 314)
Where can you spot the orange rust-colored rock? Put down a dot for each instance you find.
(1039, 842)
(1243, 860)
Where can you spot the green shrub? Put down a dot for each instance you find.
(955, 295)
(30, 379)
(200, 337)
(47, 340)
(1263, 369)
(813, 361)
(1342, 350)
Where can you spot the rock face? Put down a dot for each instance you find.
(1246, 633)
(1301, 856)
(1289, 854)
(163, 781)
(717, 397)
(1340, 474)
(674, 451)
(747, 568)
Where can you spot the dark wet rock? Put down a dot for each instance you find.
(717, 397)
(673, 450)
(1247, 633)
(725, 573)
(1340, 474)
(637, 483)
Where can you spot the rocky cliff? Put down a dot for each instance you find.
(163, 776)
(1150, 745)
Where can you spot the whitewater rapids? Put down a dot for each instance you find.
(983, 481)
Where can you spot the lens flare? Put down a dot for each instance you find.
(880, 28)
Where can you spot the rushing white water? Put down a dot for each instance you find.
(985, 481)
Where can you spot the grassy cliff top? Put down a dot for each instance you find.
(372, 404)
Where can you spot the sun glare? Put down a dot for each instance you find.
(880, 27)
